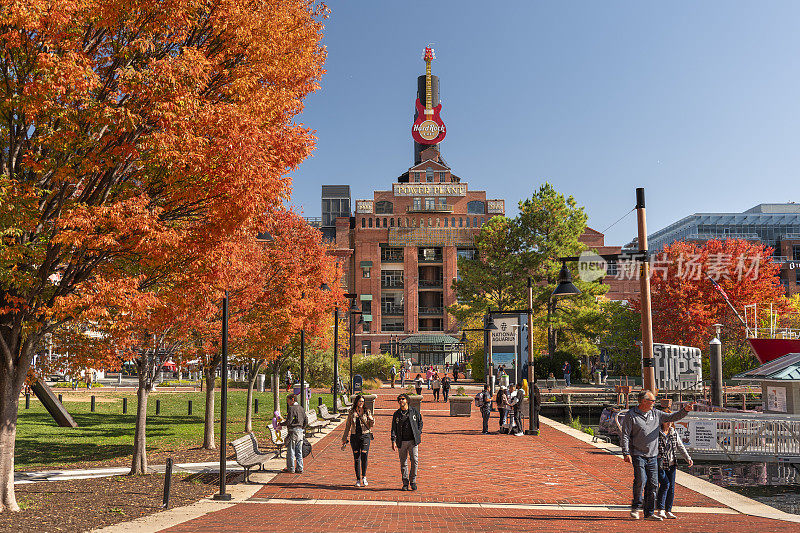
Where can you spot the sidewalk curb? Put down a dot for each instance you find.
(240, 493)
(737, 502)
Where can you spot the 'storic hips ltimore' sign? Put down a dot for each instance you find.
(677, 367)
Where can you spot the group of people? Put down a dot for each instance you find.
(651, 444)
(406, 435)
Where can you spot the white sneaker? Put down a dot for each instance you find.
(635, 515)
(654, 517)
(660, 512)
(669, 515)
(364, 481)
(358, 483)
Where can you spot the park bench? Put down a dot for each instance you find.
(346, 401)
(325, 415)
(314, 424)
(278, 439)
(248, 454)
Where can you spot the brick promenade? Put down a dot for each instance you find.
(467, 482)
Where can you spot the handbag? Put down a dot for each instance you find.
(306, 448)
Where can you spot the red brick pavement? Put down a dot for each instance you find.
(459, 465)
(254, 517)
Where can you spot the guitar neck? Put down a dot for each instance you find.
(428, 95)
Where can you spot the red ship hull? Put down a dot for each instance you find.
(768, 349)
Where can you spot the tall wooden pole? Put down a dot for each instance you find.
(532, 429)
(648, 364)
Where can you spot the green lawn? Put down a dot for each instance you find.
(106, 436)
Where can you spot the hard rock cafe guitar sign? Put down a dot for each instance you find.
(428, 127)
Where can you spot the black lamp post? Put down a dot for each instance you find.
(223, 425)
(353, 310)
(335, 352)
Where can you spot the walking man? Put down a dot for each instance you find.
(393, 374)
(484, 401)
(406, 436)
(639, 441)
(403, 376)
(445, 387)
(295, 422)
(567, 373)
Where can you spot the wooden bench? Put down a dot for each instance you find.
(346, 401)
(325, 415)
(248, 454)
(278, 438)
(314, 424)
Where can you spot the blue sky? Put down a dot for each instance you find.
(695, 101)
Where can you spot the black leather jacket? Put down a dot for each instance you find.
(416, 424)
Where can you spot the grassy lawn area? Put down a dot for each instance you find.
(105, 437)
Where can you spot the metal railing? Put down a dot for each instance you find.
(430, 283)
(391, 284)
(434, 209)
(392, 310)
(391, 258)
(431, 310)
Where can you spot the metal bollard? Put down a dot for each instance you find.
(167, 483)
(319, 401)
(158, 407)
(60, 399)
(27, 400)
(124, 406)
(255, 406)
(91, 408)
(190, 407)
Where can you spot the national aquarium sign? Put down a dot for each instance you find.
(677, 367)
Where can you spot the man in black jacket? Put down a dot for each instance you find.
(406, 436)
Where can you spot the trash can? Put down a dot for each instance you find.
(260, 379)
(358, 383)
(297, 391)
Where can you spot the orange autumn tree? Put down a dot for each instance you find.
(131, 129)
(685, 302)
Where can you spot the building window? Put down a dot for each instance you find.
(430, 222)
(430, 204)
(391, 222)
(365, 329)
(370, 223)
(417, 204)
(366, 307)
(366, 346)
(384, 208)
(443, 202)
(474, 222)
(467, 221)
(476, 207)
(446, 221)
(429, 175)
(460, 222)
(363, 222)
(385, 222)
(453, 222)
(796, 252)
(416, 176)
(466, 253)
(365, 272)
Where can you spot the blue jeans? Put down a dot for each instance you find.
(666, 488)
(294, 450)
(645, 480)
(485, 414)
(567, 379)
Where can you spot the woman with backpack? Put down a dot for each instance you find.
(502, 405)
(670, 446)
(359, 428)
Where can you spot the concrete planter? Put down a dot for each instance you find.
(460, 405)
(369, 401)
(415, 401)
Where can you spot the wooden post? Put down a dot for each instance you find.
(648, 364)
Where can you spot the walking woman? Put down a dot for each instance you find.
(669, 446)
(436, 386)
(359, 429)
(418, 385)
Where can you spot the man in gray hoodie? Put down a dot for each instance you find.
(639, 441)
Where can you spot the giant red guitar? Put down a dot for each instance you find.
(428, 127)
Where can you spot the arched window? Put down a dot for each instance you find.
(384, 208)
(391, 222)
(474, 222)
(370, 222)
(446, 220)
(429, 175)
(476, 207)
(363, 222)
(460, 222)
(430, 222)
(453, 222)
(481, 221)
(385, 223)
(467, 221)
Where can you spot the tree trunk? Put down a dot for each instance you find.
(208, 430)
(139, 461)
(9, 403)
(251, 380)
(276, 405)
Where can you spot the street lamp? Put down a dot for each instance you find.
(335, 352)
(565, 286)
(223, 425)
(353, 310)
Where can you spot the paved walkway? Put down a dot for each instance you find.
(470, 482)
